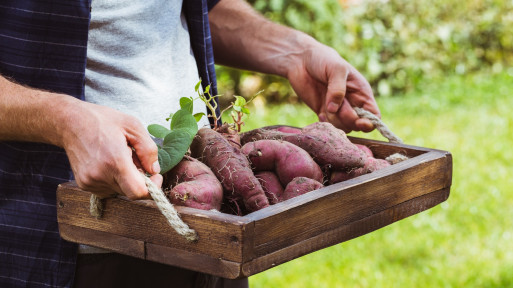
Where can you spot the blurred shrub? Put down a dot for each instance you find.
(395, 43)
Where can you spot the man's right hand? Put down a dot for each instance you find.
(106, 148)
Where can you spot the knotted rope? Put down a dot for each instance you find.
(380, 126)
(383, 129)
(165, 207)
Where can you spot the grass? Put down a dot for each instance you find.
(466, 241)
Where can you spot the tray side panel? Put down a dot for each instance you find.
(129, 219)
(382, 149)
(346, 232)
(193, 261)
(122, 245)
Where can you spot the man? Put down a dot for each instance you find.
(46, 134)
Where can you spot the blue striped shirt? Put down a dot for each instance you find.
(43, 45)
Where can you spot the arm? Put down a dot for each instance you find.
(98, 140)
(322, 79)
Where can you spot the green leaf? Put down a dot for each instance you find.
(170, 116)
(164, 161)
(196, 88)
(183, 119)
(245, 110)
(239, 101)
(207, 89)
(198, 116)
(158, 131)
(237, 108)
(176, 145)
(186, 103)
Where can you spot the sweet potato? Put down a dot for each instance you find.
(371, 165)
(299, 186)
(287, 160)
(288, 129)
(271, 184)
(230, 166)
(365, 149)
(193, 184)
(230, 134)
(327, 148)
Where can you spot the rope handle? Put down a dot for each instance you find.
(166, 208)
(380, 125)
(383, 129)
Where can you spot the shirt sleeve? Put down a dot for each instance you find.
(212, 3)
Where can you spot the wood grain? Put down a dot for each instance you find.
(136, 220)
(345, 232)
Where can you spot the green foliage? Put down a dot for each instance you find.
(398, 43)
(178, 138)
(395, 44)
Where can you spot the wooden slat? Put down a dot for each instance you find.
(300, 218)
(109, 241)
(345, 232)
(144, 222)
(382, 149)
(193, 261)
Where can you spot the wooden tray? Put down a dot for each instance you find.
(234, 246)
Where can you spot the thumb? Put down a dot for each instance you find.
(336, 92)
(146, 152)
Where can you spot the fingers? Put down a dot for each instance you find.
(157, 179)
(345, 118)
(130, 180)
(143, 158)
(359, 94)
(146, 152)
(337, 82)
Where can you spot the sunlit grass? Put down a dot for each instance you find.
(465, 242)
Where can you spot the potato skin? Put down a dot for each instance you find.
(231, 167)
(271, 184)
(194, 185)
(365, 149)
(299, 186)
(372, 164)
(287, 160)
(327, 145)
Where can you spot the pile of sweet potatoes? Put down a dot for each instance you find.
(241, 173)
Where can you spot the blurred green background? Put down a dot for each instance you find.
(442, 74)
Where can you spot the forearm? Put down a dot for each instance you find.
(244, 39)
(32, 115)
(100, 142)
(326, 82)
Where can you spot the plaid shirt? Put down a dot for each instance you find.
(43, 45)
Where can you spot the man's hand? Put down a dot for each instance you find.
(107, 151)
(331, 87)
(106, 148)
(244, 39)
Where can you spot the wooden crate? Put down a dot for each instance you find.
(234, 246)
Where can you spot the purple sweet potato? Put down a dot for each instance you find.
(288, 129)
(365, 149)
(271, 184)
(230, 134)
(299, 186)
(193, 184)
(328, 146)
(230, 166)
(287, 160)
(371, 165)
